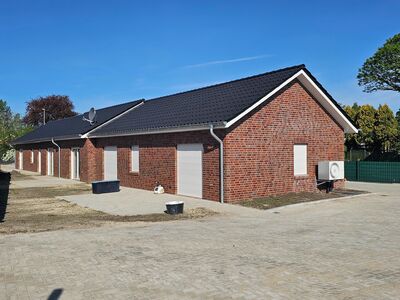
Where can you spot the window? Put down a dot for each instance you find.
(32, 157)
(135, 159)
(300, 159)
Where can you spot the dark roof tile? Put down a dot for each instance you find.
(73, 127)
(212, 104)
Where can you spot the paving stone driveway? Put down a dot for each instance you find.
(333, 250)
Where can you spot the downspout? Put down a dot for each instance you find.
(221, 162)
(59, 157)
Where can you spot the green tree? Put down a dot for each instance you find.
(5, 126)
(398, 116)
(382, 70)
(350, 138)
(397, 143)
(11, 127)
(386, 129)
(365, 121)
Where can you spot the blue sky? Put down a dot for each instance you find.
(102, 53)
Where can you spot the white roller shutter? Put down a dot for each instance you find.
(190, 170)
(110, 163)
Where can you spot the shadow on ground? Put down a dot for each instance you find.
(55, 294)
(5, 179)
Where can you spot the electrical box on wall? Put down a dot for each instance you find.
(330, 170)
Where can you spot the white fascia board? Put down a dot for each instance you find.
(46, 141)
(158, 131)
(322, 98)
(261, 101)
(86, 135)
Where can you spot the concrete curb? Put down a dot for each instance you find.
(272, 210)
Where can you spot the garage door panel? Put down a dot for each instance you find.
(190, 170)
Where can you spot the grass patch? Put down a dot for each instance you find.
(293, 198)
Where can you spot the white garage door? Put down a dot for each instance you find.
(190, 170)
(110, 163)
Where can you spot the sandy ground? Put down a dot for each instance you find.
(35, 209)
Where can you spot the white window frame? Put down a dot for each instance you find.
(39, 164)
(300, 159)
(21, 159)
(50, 162)
(77, 163)
(32, 156)
(135, 161)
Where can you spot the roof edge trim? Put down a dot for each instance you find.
(86, 134)
(158, 131)
(322, 98)
(46, 140)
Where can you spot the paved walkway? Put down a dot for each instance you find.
(128, 202)
(36, 180)
(342, 249)
(42, 181)
(7, 167)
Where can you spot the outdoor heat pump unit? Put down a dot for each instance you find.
(330, 170)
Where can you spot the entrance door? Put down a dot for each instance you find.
(39, 162)
(50, 162)
(75, 163)
(110, 163)
(21, 159)
(190, 170)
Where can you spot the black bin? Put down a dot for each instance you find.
(174, 207)
(105, 186)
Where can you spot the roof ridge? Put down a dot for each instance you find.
(142, 99)
(51, 121)
(82, 114)
(302, 66)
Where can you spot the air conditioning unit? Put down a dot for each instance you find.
(330, 170)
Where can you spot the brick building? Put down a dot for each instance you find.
(273, 129)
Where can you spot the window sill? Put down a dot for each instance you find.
(134, 172)
(300, 177)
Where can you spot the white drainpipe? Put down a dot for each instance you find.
(221, 162)
(59, 157)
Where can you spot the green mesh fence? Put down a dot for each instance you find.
(372, 171)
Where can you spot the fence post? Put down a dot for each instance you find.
(357, 170)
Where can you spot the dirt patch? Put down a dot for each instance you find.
(37, 209)
(49, 192)
(47, 214)
(193, 213)
(17, 176)
(293, 198)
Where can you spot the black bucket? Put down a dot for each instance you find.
(174, 207)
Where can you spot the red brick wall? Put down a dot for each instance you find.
(91, 161)
(65, 156)
(26, 159)
(43, 170)
(259, 150)
(157, 160)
